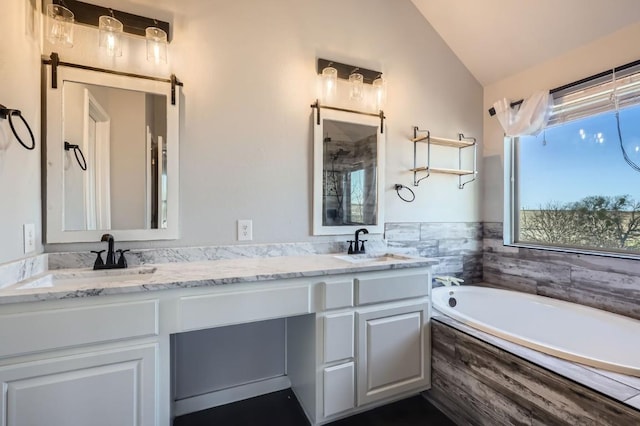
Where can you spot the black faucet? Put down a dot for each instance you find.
(111, 255)
(110, 262)
(359, 244)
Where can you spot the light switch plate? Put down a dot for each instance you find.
(245, 230)
(29, 232)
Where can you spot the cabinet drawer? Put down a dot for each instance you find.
(338, 336)
(62, 328)
(338, 294)
(339, 388)
(383, 289)
(213, 310)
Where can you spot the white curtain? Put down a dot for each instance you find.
(529, 119)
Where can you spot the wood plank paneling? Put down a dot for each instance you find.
(479, 384)
(607, 283)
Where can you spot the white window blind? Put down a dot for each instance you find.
(597, 95)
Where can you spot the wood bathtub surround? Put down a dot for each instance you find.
(475, 383)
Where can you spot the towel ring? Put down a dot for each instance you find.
(8, 113)
(78, 153)
(398, 187)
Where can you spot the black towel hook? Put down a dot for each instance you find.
(8, 113)
(78, 153)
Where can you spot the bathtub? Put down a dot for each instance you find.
(562, 329)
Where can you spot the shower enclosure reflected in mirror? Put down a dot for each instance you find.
(348, 173)
(127, 130)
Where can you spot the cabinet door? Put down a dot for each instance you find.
(106, 388)
(339, 382)
(393, 351)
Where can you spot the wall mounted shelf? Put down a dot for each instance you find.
(461, 143)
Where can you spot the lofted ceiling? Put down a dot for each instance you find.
(495, 39)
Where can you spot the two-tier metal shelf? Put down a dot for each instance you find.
(461, 144)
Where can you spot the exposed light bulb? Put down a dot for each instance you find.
(60, 25)
(329, 83)
(156, 45)
(380, 92)
(356, 80)
(110, 35)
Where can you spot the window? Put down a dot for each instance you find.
(577, 184)
(356, 196)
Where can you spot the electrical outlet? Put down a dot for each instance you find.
(29, 233)
(245, 230)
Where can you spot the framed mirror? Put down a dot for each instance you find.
(111, 157)
(348, 173)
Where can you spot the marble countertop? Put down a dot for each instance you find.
(75, 283)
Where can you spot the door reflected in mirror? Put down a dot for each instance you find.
(122, 134)
(348, 171)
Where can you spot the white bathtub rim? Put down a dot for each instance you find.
(532, 343)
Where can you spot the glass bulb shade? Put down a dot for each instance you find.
(156, 45)
(110, 33)
(379, 92)
(329, 83)
(60, 25)
(356, 81)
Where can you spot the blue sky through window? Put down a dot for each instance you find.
(579, 159)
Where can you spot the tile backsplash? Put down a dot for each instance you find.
(13, 272)
(457, 245)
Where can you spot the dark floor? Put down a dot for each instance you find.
(282, 409)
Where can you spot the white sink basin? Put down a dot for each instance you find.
(79, 278)
(371, 258)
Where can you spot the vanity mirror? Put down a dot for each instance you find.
(123, 129)
(348, 173)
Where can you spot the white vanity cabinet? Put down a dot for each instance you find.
(353, 340)
(372, 343)
(65, 363)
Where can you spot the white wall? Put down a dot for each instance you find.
(19, 89)
(128, 160)
(617, 49)
(246, 124)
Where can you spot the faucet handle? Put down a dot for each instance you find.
(362, 246)
(350, 251)
(122, 261)
(99, 262)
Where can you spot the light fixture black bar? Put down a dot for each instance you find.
(89, 14)
(492, 110)
(174, 83)
(317, 106)
(55, 62)
(345, 70)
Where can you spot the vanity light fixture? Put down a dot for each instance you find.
(60, 25)
(110, 35)
(361, 82)
(156, 45)
(112, 25)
